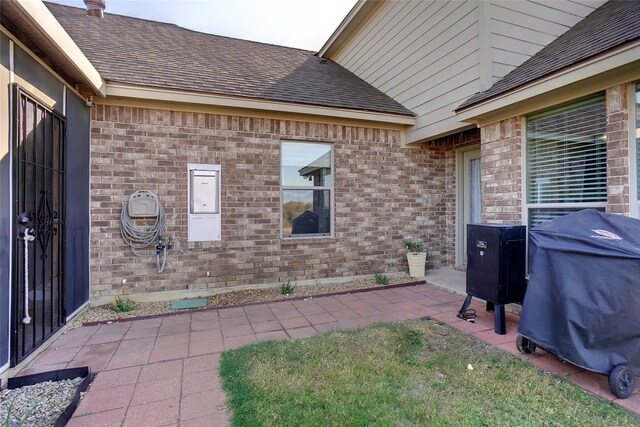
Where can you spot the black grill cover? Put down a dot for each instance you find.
(583, 298)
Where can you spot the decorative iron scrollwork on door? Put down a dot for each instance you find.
(46, 221)
(38, 284)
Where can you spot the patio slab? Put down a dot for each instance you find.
(164, 371)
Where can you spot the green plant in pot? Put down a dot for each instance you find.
(416, 257)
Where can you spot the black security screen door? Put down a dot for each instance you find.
(38, 287)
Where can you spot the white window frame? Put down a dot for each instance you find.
(526, 207)
(293, 187)
(460, 199)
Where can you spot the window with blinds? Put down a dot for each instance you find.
(566, 159)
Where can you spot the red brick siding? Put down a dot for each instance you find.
(618, 171)
(501, 162)
(448, 208)
(384, 194)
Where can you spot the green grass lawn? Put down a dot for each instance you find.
(409, 374)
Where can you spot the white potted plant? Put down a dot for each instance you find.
(417, 258)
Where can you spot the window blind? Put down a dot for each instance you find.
(567, 154)
(537, 216)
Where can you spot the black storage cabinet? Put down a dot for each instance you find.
(496, 262)
(496, 265)
(583, 298)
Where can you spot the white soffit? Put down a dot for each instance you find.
(36, 12)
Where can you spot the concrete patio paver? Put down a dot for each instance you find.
(160, 413)
(164, 371)
(275, 335)
(116, 377)
(105, 399)
(112, 418)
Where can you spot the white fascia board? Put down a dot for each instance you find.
(40, 16)
(613, 68)
(441, 130)
(168, 95)
(341, 32)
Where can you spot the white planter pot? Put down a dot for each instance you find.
(417, 261)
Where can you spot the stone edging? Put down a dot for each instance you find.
(58, 375)
(155, 316)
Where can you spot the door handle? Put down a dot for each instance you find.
(28, 235)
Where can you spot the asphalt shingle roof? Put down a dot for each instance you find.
(154, 54)
(612, 25)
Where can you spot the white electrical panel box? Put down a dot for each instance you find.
(204, 202)
(204, 194)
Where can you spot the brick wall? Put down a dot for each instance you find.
(502, 171)
(502, 159)
(447, 208)
(617, 150)
(384, 194)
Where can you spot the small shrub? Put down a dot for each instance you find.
(287, 288)
(122, 305)
(381, 279)
(414, 246)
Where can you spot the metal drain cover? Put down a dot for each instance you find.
(185, 304)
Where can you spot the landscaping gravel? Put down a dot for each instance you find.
(105, 313)
(52, 399)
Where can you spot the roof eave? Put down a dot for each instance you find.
(123, 90)
(348, 25)
(617, 66)
(46, 25)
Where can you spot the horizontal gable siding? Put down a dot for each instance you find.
(424, 54)
(519, 29)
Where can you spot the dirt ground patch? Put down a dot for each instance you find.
(105, 313)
